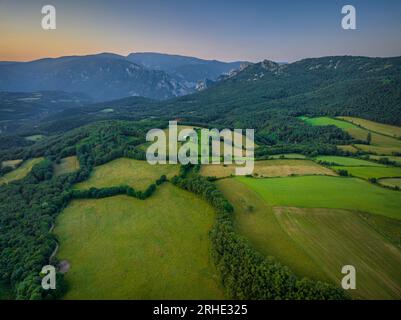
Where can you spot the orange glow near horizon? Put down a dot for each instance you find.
(223, 30)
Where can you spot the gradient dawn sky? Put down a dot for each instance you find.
(280, 30)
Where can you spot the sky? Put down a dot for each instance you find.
(227, 30)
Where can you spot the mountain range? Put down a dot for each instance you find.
(269, 97)
(266, 96)
(108, 76)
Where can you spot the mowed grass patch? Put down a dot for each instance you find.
(11, 163)
(335, 238)
(288, 156)
(35, 137)
(326, 121)
(124, 171)
(327, 192)
(347, 161)
(66, 165)
(384, 151)
(125, 248)
(382, 128)
(391, 158)
(21, 171)
(268, 232)
(353, 130)
(270, 168)
(256, 221)
(348, 148)
(379, 140)
(380, 144)
(371, 172)
(391, 182)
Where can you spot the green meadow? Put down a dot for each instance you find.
(123, 171)
(378, 150)
(316, 242)
(391, 182)
(288, 156)
(382, 128)
(255, 220)
(125, 248)
(270, 168)
(11, 163)
(347, 161)
(34, 138)
(371, 172)
(327, 192)
(391, 158)
(66, 165)
(326, 121)
(381, 144)
(348, 148)
(335, 238)
(21, 171)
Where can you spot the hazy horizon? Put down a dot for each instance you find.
(192, 56)
(284, 31)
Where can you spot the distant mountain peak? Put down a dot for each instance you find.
(106, 76)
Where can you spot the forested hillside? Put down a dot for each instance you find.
(270, 97)
(29, 206)
(358, 86)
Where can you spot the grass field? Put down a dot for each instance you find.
(34, 138)
(354, 131)
(379, 140)
(335, 238)
(380, 144)
(288, 156)
(66, 165)
(125, 248)
(391, 182)
(384, 151)
(11, 163)
(20, 172)
(303, 239)
(349, 148)
(327, 192)
(255, 220)
(391, 158)
(371, 172)
(326, 121)
(385, 129)
(270, 168)
(346, 161)
(135, 173)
